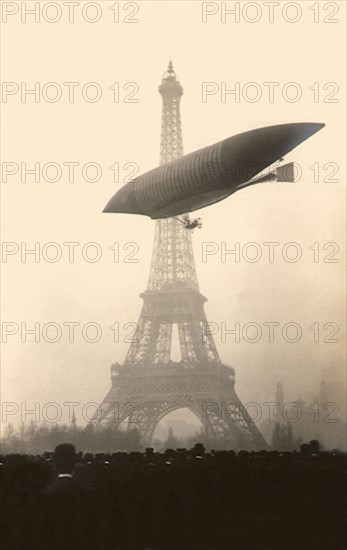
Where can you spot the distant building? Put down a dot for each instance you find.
(299, 421)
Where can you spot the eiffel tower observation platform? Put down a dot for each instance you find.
(212, 373)
(150, 384)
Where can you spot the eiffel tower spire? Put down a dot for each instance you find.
(171, 146)
(149, 384)
(173, 291)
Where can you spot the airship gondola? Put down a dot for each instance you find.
(210, 174)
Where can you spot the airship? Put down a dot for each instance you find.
(211, 174)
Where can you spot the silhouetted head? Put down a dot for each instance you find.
(199, 449)
(65, 458)
(314, 446)
(149, 451)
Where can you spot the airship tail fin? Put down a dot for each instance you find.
(286, 172)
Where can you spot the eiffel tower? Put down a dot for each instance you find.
(150, 385)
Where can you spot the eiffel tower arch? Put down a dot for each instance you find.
(149, 385)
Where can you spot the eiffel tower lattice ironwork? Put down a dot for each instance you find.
(149, 384)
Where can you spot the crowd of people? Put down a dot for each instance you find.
(176, 500)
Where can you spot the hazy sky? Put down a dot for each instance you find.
(308, 53)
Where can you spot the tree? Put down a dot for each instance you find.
(276, 436)
(290, 439)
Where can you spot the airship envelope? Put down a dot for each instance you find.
(210, 174)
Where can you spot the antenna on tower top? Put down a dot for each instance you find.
(169, 74)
